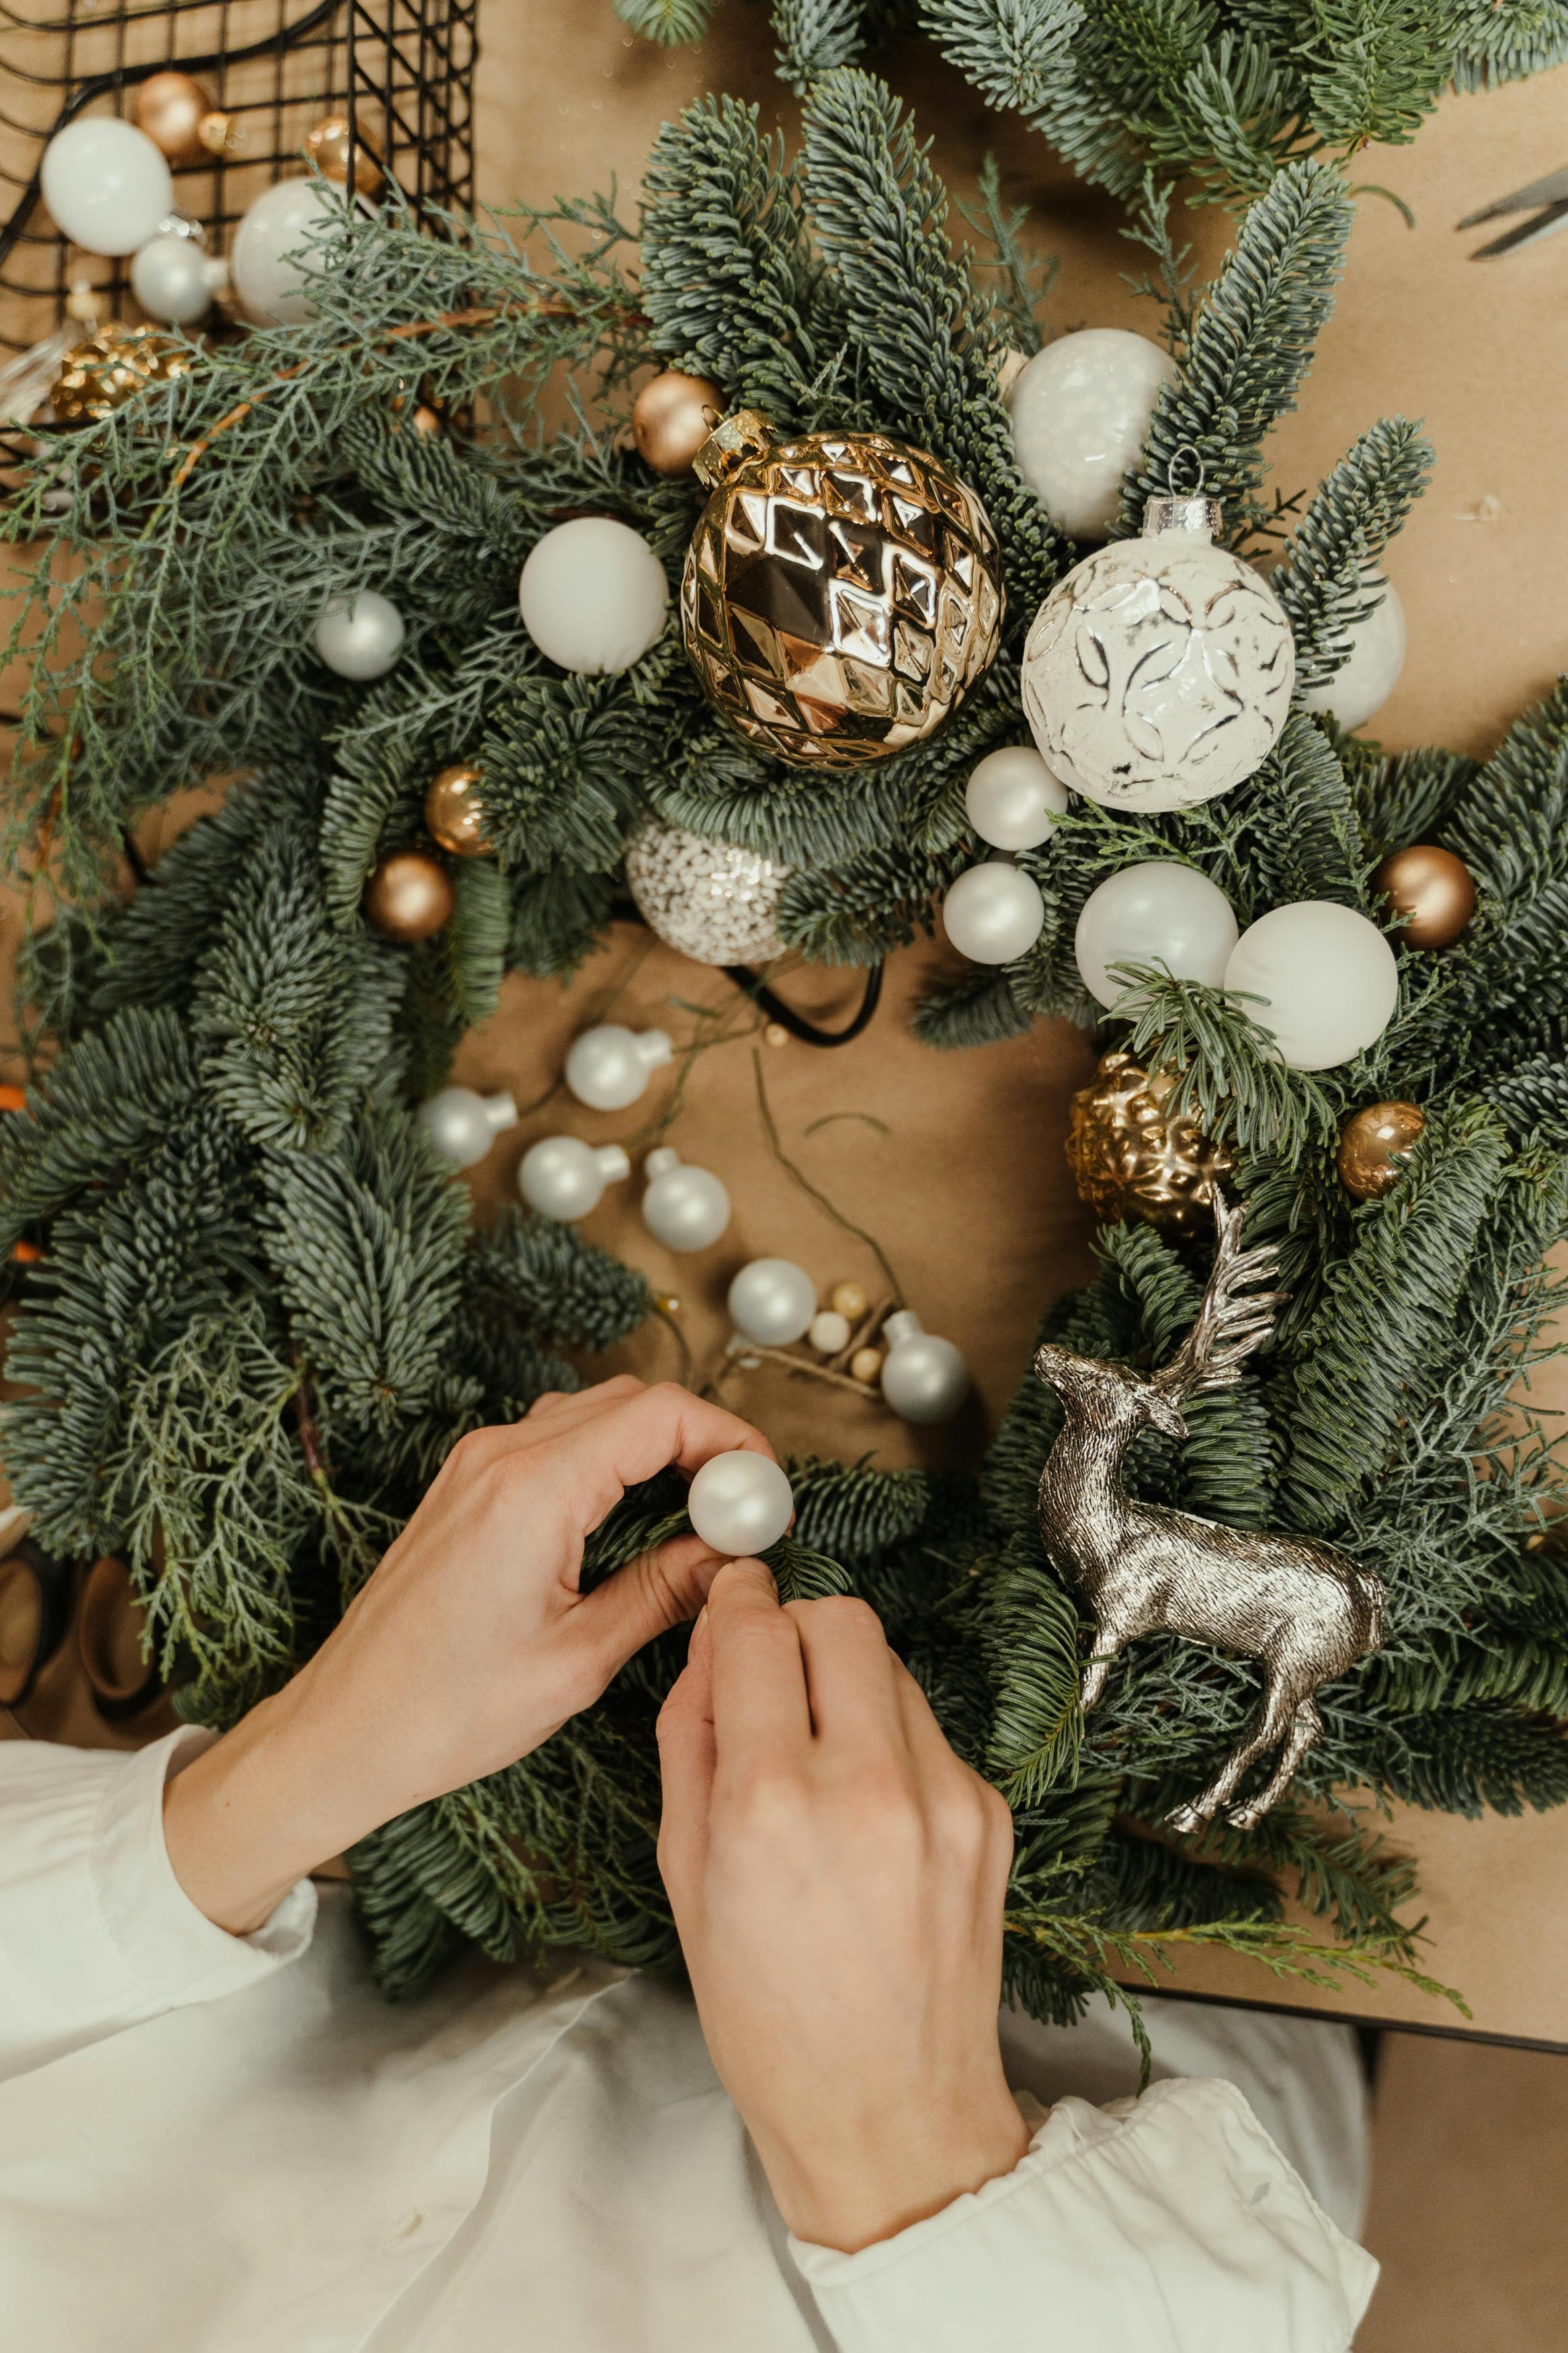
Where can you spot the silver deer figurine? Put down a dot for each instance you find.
(1305, 1612)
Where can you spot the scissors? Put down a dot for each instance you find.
(1551, 196)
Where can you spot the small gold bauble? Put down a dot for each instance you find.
(865, 1364)
(178, 115)
(109, 368)
(327, 145)
(842, 592)
(453, 814)
(1373, 1144)
(672, 417)
(849, 1299)
(1432, 888)
(409, 896)
(1132, 1157)
(775, 1034)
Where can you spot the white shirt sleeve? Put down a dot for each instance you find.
(96, 1932)
(1166, 2224)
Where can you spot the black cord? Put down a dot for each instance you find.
(796, 1023)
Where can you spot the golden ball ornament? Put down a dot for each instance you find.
(327, 145)
(454, 812)
(842, 592)
(775, 1034)
(1133, 1155)
(865, 1365)
(1434, 891)
(849, 1299)
(113, 364)
(180, 117)
(672, 417)
(1373, 1146)
(409, 896)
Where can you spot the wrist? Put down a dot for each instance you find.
(869, 2182)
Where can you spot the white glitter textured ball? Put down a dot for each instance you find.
(772, 1301)
(709, 899)
(562, 1176)
(359, 637)
(175, 281)
(994, 912)
(107, 185)
(685, 1207)
(1364, 682)
(462, 1125)
(1158, 913)
(740, 1503)
(924, 1378)
(1080, 416)
(1012, 799)
(607, 1067)
(268, 264)
(593, 595)
(1327, 977)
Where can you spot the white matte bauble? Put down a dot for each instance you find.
(1012, 799)
(359, 637)
(1156, 913)
(772, 1301)
(1327, 977)
(174, 280)
(593, 595)
(562, 1177)
(995, 912)
(828, 1332)
(923, 1379)
(1158, 673)
(1364, 681)
(107, 185)
(272, 288)
(607, 1067)
(462, 1125)
(1080, 417)
(685, 1209)
(740, 1503)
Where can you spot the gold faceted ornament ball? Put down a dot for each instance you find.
(1132, 1156)
(180, 117)
(1373, 1146)
(849, 1300)
(672, 417)
(454, 812)
(110, 367)
(865, 1365)
(1434, 891)
(327, 145)
(842, 592)
(409, 896)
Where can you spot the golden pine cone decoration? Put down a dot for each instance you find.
(1132, 1158)
(115, 363)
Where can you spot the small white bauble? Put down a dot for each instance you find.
(1156, 913)
(1080, 417)
(562, 1177)
(995, 912)
(713, 900)
(273, 290)
(607, 1067)
(772, 1301)
(593, 595)
(923, 1379)
(685, 1209)
(462, 1125)
(828, 1332)
(740, 1503)
(175, 281)
(1158, 673)
(359, 637)
(107, 185)
(1364, 681)
(1327, 977)
(1012, 799)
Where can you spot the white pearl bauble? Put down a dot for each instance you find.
(923, 1379)
(828, 1332)
(994, 912)
(359, 637)
(772, 1301)
(562, 1177)
(1364, 681)
(175, 281)
(273, 290)
(685, 1209)
(1327, 978)
(462, 1125)
(740, 1503)
(593, 595)
(1012, 799)
(107, 185)
(1080, 416)
(607, 1067)
(1156, 913)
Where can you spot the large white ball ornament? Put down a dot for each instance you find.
(593, 595)
(772, 1301)
(924, 1378)
(1080, 417)
(1364, 682)
(462, 1125)
(107, 185)
(740, 1503)
(1327, 977)
(607, 1067)
(359, 637)
(564, 1177)
(1012, 799)
(686, 1208)
(994, 912)
(1155, 913)
(174, 280)
(271, 274)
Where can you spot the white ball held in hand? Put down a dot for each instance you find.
(462, 1125)
(1364, 681)
(593, 595)
(924, 1378)
(685, 1209)
(270, 272)
(564, 1177)
(359, 637)
(175, 281)
(1081, 409)
(107, 185)
(1156, 913)
(772, 1301)
(608, 1067)
(995, 912)
(740, 1503)
(1327, 977)
(1012, 799)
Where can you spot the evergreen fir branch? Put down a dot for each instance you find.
(108, 1102)
(1474, 1759)
(1229, 1072)
(477, 939)
(1408, 797)
(560, 1289)
(980, 1009)
(1024, 281)
(1295, 835)
(1284, 1949)
(665, 21)
(1032, 1639)
(1323, 583)
(854, 1513)
(1012, 51)
(815, 35)
(1374, 71)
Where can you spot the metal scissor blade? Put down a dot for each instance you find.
(1545, 223)
(1552, 190)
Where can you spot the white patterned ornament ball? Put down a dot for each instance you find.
(562, 1177)
(685, 1207)
(1012, 798)
(594, 596)
(1369, 674)
(713, 900)
(1156, 913)
(1326, 977)
(995, 912)
(740, 1503)
(772, 1301)
(359, 637)
(107, 185)
(1081, 410)
(463, 1125)
(924, 1377)
(608, 1067)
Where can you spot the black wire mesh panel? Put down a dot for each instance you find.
(402, 68)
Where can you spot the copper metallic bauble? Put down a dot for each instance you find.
(110, 367)
(409, 896)
(453, 812)
(178, 115)
(841, 594)
(1373, 1144)
(1132, 1156)
(327, 145)
(1431, 887)
(672, 417)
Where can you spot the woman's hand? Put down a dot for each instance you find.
(470, 1645)
(838, 1875)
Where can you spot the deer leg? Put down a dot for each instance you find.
(1306, 1727)
(1113, 1635)
(1265, 1733)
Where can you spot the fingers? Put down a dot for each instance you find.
(687, 1755)
(761, 1718)
(850, 1674)
(659, 1590)
(642, 1434)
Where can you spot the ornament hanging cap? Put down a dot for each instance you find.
(1185, 510)
(732, 444)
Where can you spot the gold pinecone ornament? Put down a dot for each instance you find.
(1132, 1156)
(110, 367)
(842, 593)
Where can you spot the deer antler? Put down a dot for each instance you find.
(1227, 1327)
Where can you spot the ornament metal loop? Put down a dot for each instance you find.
(1186, 449)
(734, 442)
